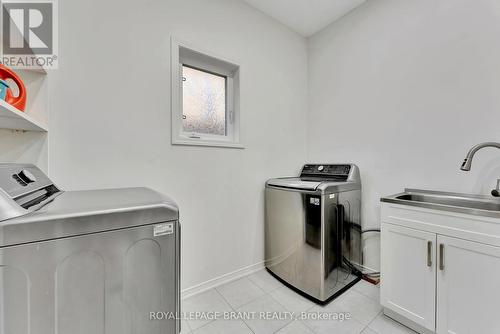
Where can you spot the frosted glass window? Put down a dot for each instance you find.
(205, 99)
(203, 102)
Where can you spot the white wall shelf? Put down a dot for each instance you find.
(13, 118)
(24, 135)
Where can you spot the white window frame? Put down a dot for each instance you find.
(181, 54)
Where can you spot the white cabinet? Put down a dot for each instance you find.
(468, 292)
(440, 272)
(409, 273)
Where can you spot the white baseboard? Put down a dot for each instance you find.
(226, 278)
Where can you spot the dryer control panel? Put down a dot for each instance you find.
(23, 188)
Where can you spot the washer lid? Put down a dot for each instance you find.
(76, 213)
(301, 184)
(327, 178)
(295, 183)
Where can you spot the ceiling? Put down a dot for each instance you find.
(305, 16)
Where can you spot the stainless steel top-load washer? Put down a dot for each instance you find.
(313, 230)
(85, 262)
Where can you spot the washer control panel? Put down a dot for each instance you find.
(326, 171)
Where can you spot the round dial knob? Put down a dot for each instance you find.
(27, 176)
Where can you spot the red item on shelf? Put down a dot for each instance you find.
(19, 101)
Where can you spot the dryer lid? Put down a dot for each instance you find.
(76, 213)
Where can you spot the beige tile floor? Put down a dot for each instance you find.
(260, 292)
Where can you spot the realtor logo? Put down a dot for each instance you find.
(29, 33)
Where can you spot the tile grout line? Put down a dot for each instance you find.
(366, 295)
(189, 327)
(225, 300)
(288, 323)
(236, 309)
(352, 289)
(254, 299)
(232, 308)
(248, 326)
(302, 322)
(315, 305)
(308, 326)
(368, 326)
(268, 292)
(277, 301)
(305, 322)
(213, 320)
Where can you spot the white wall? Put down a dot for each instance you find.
(403, 88)
(23, 147)
(110, 117)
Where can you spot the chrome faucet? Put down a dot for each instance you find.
(466, 165)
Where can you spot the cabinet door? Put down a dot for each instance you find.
(409, 274)
(468, 300)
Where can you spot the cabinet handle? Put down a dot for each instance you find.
(429, 253)
(441, 256)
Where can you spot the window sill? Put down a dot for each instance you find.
(208, 143)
